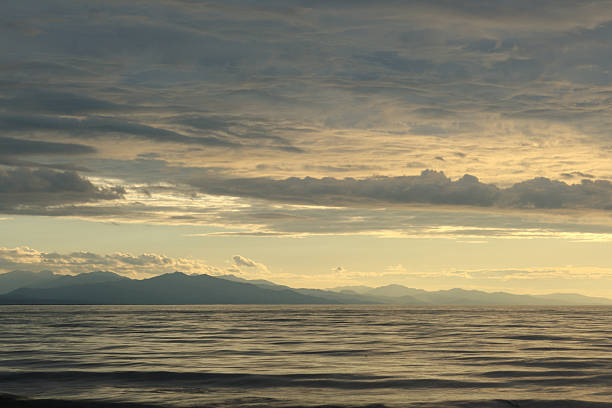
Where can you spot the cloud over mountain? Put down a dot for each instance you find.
(243, 265)
(143, 265)
(242, 261)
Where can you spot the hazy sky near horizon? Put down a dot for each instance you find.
(435, 143)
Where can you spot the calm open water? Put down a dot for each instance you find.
(269, 356)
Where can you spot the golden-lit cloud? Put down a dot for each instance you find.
(135, 266)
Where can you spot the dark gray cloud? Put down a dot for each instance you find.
(65, 103)
(21, 188)
(13, 162)
(241, 129)
(23, 147)
(430, 187)
(97, 126)
(545, 193)
(13, 150)
(361, 214)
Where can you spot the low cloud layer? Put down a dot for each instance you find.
(126, 264)
(143, 265)
(430, 187)
(430, 205)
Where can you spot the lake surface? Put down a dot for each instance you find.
(280, 356)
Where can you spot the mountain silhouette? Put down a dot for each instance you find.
(172, 288)
(398, 294)
(23, 287)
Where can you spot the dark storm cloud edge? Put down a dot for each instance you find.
(430, 187)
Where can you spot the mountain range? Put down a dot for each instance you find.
(46, 287)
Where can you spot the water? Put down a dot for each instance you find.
(279, 356)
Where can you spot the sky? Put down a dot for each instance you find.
(434, 144)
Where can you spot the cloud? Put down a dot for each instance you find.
(44, 187)
(177, 81)
(242, 262)
(577, 174)
(270, 218)
(65, 103)
(513, 216)
(95, 126)
(243, 129)
(23, 147)
(138, 266)
(12, 149)
(543, 193)
(551, 273)
(212, 131)
(430, 187)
